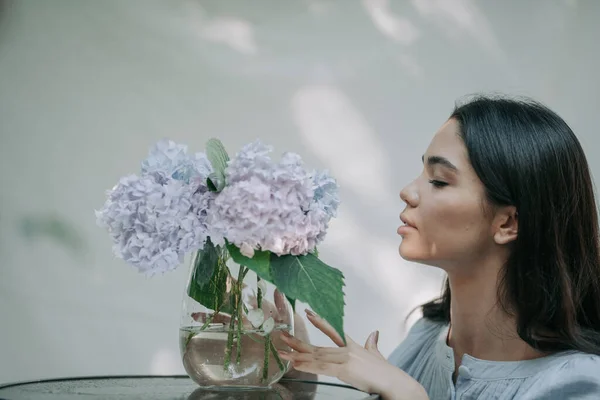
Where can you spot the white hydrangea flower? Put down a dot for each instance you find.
(154, 220)
(271, 206)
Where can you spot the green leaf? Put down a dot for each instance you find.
(216, 182)
(308, 279)
(211, 186)
(259, 263)
(213, 293)
(216, 154)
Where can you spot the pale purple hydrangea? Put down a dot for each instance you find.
(272, 206)
(171, 159)
(154, 220)
(157, 218)
(252, 160)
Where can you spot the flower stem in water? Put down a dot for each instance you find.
(259, 293)
(274, 352)
(242, 274)
(237, 296)
(265, 374)
(229, 347)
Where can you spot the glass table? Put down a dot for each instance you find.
(178, 387)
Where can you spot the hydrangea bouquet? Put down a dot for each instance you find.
(266, 216)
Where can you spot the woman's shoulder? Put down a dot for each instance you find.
(569, 375)
(571, 363)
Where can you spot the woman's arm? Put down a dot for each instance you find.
(403, 389)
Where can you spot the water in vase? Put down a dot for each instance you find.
(211, 362)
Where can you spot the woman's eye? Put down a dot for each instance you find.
(438, 184)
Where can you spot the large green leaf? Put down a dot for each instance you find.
(259, 263)
(308, 279)
(211, 292)
(217, 155)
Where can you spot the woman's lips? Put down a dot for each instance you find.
(407, 227)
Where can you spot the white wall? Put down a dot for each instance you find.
(357, 87)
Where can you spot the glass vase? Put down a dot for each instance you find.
(231, 324)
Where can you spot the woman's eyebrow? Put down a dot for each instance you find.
(433, 160)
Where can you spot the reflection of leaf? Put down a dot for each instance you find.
(51, 227)
(205, 262)
(211, 290)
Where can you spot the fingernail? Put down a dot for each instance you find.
(310, 313)
(286, 334)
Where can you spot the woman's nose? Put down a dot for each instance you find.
(409, 195)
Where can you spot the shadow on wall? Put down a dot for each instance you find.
(34, 228)
(54, 228)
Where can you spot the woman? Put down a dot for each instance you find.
(505, 206)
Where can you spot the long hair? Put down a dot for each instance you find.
(527, 156)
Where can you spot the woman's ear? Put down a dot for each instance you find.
(506, 225)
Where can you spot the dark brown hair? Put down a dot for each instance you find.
(527, 156)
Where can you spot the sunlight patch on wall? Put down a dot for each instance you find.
(395, 27)
(336, 131)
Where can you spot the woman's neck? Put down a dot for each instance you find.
(479, 325)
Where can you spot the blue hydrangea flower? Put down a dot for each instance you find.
(171, 159)
(326, 195)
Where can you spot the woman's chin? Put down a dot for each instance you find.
(405, 252)
(408, 253)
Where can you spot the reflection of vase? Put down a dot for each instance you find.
(216, 350)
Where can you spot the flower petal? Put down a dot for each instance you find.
(256, 317)
(267, 326)
(247, 250)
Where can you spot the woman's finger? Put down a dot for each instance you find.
(318, 356)
(296, 343)
(201, 317)
(283, 312)
(371, 345)
(372, 340)
(327, 329)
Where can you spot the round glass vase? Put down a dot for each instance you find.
(216, 349)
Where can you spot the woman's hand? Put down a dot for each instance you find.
(362, 367)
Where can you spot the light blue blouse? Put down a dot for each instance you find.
(426, 357)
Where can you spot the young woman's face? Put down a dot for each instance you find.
(446, 222)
